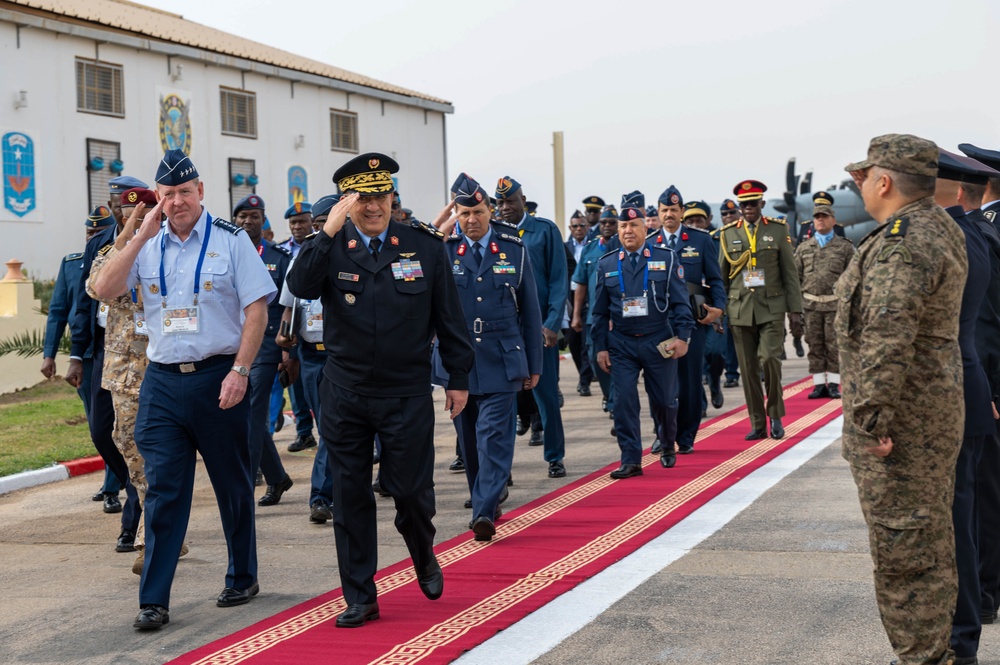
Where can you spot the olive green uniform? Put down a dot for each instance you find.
(757, 313)
(897, 329)
(818, 269)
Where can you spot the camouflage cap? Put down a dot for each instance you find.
(903, 153)
(823, 210)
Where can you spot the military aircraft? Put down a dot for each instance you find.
(796, 205)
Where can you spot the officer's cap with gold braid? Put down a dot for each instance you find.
(749, 190)
(136, 195)
(470, 193)
(507, 187)
(370, 173)
(299, 208)
(593, 203)
(695, 208)
(823, 199)
(99, 218)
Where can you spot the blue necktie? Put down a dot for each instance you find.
(477, 254)
(672, 242)
(634, 258)
(373, 246)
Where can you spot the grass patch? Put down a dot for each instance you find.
(42, 425)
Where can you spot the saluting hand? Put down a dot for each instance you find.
(338, 214)
(151, 223)
(130, 225)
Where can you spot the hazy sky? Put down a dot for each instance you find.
(652, 93)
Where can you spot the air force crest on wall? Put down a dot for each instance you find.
(175, 124)
(18, 173)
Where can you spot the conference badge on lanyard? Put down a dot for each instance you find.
(634, 305)
(182, 320)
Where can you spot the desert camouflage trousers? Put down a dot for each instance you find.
(126, 407)
(912, 540)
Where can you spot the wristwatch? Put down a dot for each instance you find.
(242, 370)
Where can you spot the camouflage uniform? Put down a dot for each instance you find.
(124, 367)
(819, 268)
(897, 329)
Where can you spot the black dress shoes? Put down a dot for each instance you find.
(604, 404)
(484, 529)
(468, 504)
(833, 390)
(536, 438)
(232, 597)
(732, 383)
(657, 447)
(797, 343)
(377, 486)
(126, 542)
(357, 615)
(777, 431)
(301, 443)
(684, 450)
(273, 494)
(755, 434)
(458, 464)
(557, 470)
(584, 391)
(627, 471)
(717, 398)
(431, 580)
(98, 497)
(522, 425)
(818, 392)
(151, 617)
(319, 512)
(668, 460)
(112, 504)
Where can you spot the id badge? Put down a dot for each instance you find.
(635, 306)
(753, 278)
(314, 321)
(140, 323)
(102, 315)
(180, 320)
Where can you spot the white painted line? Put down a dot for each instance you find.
(19, 481)
(544, 629)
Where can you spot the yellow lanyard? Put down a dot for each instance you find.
(753, 245)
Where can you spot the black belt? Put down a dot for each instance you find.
(480, 326)
(318, 347)
(197, 366)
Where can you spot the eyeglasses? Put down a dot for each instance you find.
(730, 212)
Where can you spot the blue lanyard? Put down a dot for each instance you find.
(645, 274)
(201, 259)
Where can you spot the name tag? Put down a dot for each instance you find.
(407, 270)
(140, 323)
(753, 278)
(347, 276)
(180, 320)
(635, 306)
(613, 273)
(314, 322)
(657, 265)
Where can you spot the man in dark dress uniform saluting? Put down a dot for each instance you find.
(386, 289)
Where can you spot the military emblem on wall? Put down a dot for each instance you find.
(175, 123)
(18, 173)
(298, 185)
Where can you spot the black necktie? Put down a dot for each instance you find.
(477, 254)
(373, 247)
(634, 258)
(672, 242)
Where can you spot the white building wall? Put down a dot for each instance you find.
(44, 66)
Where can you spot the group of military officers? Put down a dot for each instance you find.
(372, 310)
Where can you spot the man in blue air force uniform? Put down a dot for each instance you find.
(206, 293)
(497, 290)
(641, 293)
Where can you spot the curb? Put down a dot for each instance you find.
(56, 472)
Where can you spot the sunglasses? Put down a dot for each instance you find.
(577, 226)
(749, 204)
(730, 212)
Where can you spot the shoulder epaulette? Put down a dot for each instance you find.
(504, 223)
(426, 228)
(609, 253)
(990, 214)
(776, 220)
(513, 239)
(691, 228)
(282, 242)
(283, 250)
(73, 257)
(897, 228)
(228, 226)
(454, 237)
(715, 233)
(730, 225)
(311, 236)
(105, 249)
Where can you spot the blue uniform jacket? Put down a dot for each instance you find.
(84, 319)
(988, 323)
(63, 303)
(978, 412)
(586, 269)
(548, 261)
(500, 303)
(276, 260)
(669, 308)
(699, 255)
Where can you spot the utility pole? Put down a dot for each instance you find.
(560, 182)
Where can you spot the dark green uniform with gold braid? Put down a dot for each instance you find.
(757, 313)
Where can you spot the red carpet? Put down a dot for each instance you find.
(489, 586)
